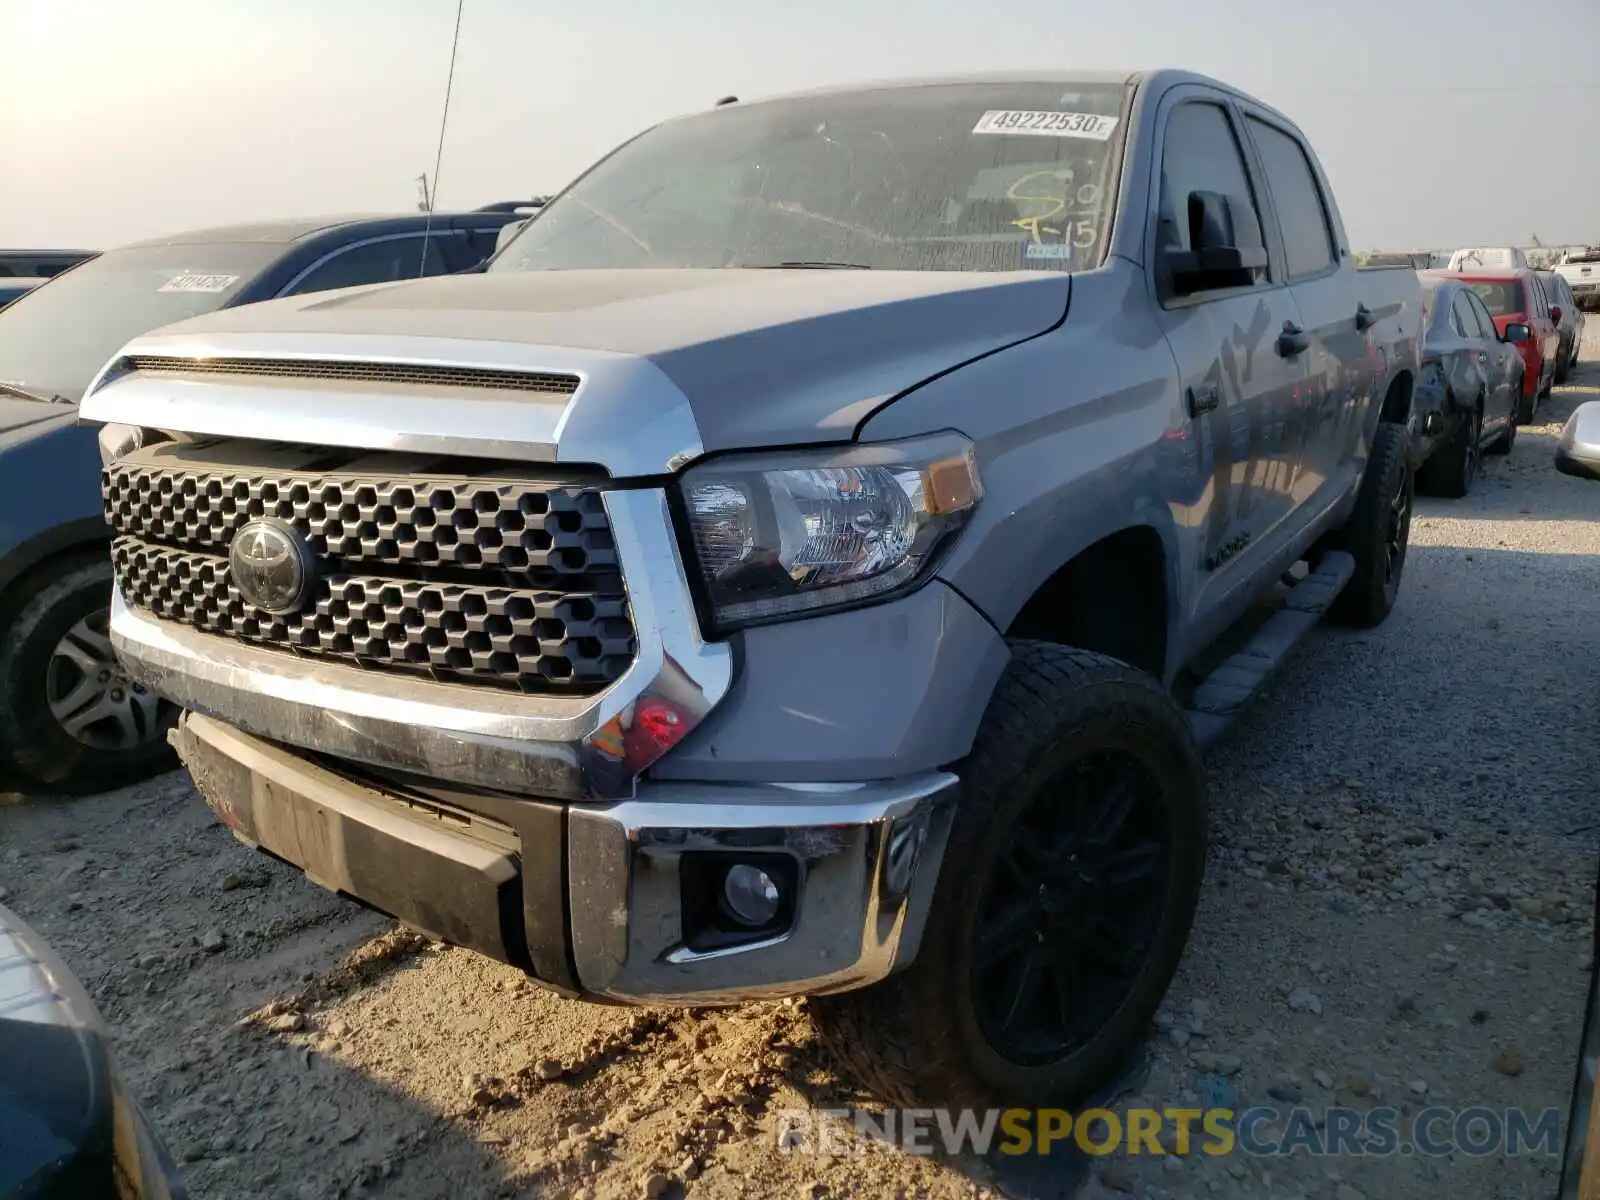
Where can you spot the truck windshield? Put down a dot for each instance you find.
(1501, 299)
(949, 177)
(55, 339)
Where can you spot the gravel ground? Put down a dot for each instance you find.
(1396, 912)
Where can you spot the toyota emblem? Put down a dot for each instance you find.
(272, 567)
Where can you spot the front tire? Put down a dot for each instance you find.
(70, 720)
(1377, 533)
(1064, 901)
(1526, 404)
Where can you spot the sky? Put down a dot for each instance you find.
(1440, 123)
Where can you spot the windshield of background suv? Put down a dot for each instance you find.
(1501, 299)
(57, 337)
(948, 177)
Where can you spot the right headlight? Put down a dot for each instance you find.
(782, 534)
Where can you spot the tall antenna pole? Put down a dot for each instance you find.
(444, 121)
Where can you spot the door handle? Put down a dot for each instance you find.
(1204, 398)
(1364, 318)
(1293, 340)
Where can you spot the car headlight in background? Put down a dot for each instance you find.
(786, 533)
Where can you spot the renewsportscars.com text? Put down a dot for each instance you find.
(1261, 1132)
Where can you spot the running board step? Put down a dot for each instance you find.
(1225, 692)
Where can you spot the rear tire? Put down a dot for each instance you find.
(1377, 533)
(69, 720)
(1449, 472)
(1064, 900)
(1526, 404)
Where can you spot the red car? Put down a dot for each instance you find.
(1518, 297)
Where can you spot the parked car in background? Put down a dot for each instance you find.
(1581, 270)
(69, 1130)
(15, 289)
(1414, 260)
(664, 729)
(40, 264)
(69, 718)
(1488, 258)
(1466, 395)
(1518, 298)
(1569, 320)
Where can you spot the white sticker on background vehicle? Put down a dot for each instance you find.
(1040, 123)
(199, 283)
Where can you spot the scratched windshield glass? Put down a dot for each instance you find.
(952, 177)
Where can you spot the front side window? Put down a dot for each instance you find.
(1466, 325)
(1199, 154)
(956, 177)
(57, 337)
(387, 260)
(1302, 213)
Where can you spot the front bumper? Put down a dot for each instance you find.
(590, 899)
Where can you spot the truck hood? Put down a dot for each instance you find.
(756, 358)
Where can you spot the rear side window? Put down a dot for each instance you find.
(1485, 321)
(385, 261)
(1200, 154)
(1501, 299)
(1307, 236)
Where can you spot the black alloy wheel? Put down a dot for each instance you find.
(1071, 909)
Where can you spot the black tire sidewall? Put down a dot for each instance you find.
(1102, 728)
(32, 743)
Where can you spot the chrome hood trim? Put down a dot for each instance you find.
(616, 392)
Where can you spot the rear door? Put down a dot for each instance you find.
(1241, 392)
(1340, 379)
(1502, 366)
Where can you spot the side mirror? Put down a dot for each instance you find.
(1578, 451)
(1555, 313)
(1226, 247)
(1516, 334)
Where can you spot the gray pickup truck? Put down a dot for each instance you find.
(800, 564)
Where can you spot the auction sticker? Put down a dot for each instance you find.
(1040, 123)
(198, 283)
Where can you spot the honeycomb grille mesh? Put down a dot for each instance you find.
(536, 641)
(511, 583)
(548, 532)
(399, 374)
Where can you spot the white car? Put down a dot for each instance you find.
(1488, 258)
(1581, 270)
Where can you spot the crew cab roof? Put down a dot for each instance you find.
(1159, 78)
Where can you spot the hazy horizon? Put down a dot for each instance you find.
(128, 120)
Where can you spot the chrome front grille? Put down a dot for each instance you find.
(493, 578)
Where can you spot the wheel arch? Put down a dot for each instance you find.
(1397, 397)
(46, 551)
(1113, 595)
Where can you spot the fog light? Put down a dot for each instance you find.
(751, 895)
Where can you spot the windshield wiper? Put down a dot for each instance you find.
(22, 393)
(808, 265)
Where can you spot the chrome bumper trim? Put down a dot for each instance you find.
(869, 859)
(475, 736)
